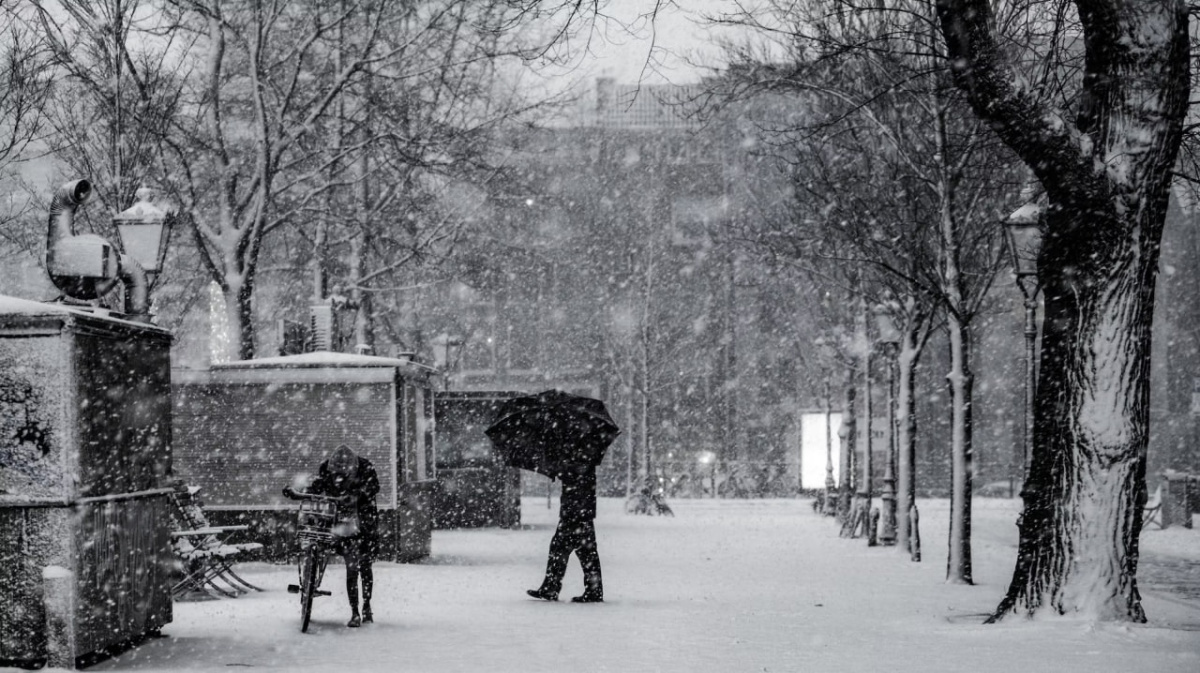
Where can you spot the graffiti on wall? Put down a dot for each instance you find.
(28, 416)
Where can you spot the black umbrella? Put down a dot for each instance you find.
(552, 431)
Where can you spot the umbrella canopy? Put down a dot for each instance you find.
(552, 431)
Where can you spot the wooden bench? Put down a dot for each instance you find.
(1152, 511)
(205, 556)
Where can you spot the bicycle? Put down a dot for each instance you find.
(317, 519)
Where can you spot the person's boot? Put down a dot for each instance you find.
(366, 613)
(542, 593)
(352, 594)
(593, 591)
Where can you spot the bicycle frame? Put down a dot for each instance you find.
(316, 519)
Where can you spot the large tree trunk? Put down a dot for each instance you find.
(239, 313)
(1086, 481)
(958, 554)
(1108, 179)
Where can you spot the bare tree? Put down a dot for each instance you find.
(25, 85)
(248, 154)
(114, 95)
(1104, 155)
(881, 116)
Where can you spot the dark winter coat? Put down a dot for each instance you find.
(364, 486)
(578, 503)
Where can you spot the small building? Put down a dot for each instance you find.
(244, 430)
(85, 465)
(475, 488)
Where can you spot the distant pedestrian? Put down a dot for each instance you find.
(576, 533)
(353, 479)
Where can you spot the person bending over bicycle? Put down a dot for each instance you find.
(353, 480)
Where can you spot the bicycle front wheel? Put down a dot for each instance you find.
(309, 581)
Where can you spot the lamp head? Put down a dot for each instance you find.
(1023, 234)
(889, 334)
(144, 230)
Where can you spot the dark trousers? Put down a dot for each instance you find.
(578, 537)
(358, 559)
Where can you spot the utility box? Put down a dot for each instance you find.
(1180, 498)
(244, 430)
(85, 456)
(475, 487)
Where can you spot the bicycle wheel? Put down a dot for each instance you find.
(309, 569)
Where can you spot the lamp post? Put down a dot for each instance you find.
(830, 501)
(446, 349)
(866, 480)
(708, 462)
(1024, 237)
(889, 339)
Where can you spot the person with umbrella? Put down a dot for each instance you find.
(562, 436)
(576, 533)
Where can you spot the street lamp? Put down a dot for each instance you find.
(866, 480)
(829, 503)
(446, 349)
(144, 230)
(889, 339)
(708, 459)
(1023, 232)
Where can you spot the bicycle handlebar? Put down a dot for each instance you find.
(288, 492)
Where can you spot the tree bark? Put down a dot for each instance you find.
(906, 442)
(1107, 176)
(961, 381)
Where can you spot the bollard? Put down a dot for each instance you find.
(58, 599)
(873, 527)
(914, 534)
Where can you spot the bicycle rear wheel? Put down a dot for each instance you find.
(309, 581)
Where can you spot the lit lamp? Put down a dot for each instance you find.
(1023, 233)
(144, 230)
(708, 459)
(889, 339)
(445, 354)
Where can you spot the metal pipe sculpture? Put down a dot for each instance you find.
(87, 266)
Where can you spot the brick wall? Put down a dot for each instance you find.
(243, 442)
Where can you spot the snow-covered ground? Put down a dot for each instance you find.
(725, 586)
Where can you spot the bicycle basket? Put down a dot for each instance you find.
(316, 521)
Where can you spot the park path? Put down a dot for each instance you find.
(724, 586)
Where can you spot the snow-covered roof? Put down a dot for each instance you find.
(320, 359)
(15, 306)
(308, 368)
(18, 306)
